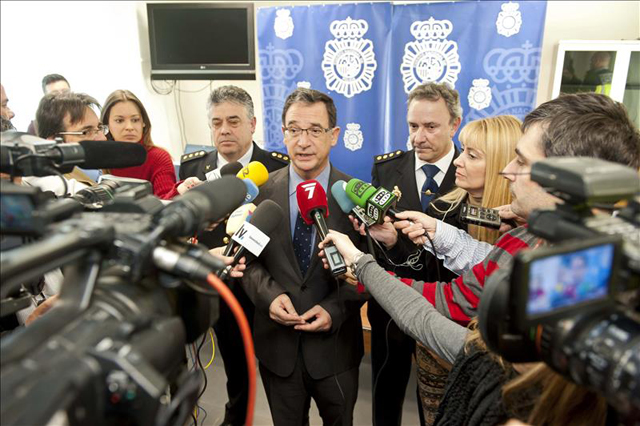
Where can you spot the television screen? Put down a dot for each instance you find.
(201, 41)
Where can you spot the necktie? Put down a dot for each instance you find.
(430, 187)
(302, 244)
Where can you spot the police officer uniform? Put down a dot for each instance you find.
(230, 345)
(391, 170)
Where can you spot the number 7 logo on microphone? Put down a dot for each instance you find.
(310, 189)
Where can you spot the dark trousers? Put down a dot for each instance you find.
(231, 348)
(290, 397)
(390, 378)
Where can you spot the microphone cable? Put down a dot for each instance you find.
(245, 331)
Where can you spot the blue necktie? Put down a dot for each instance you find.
(302, 244)
(430, 187)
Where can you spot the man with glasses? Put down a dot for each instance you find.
(71, 117)
(307, 328)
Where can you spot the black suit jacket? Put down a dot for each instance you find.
(276, 272)
(399, 170)
(200, 163)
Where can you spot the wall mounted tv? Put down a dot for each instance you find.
(201, 41)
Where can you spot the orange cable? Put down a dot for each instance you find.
(245, 331)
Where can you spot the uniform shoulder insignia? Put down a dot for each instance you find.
(388, 156)
(192, 156)
(283, 158)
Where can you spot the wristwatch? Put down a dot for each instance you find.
(352, 267)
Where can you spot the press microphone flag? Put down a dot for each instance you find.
(227, 169)
(312, 202)
(235, 221)
(256, 171)
(347, 206)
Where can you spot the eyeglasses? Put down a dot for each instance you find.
(314, 132)
(89, 133)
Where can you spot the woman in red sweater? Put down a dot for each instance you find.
(128, 121)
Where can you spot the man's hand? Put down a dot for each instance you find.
(187, 184)
(236, 271)
(415, 225)
(320, 320)
(282, 311)
(507, 215)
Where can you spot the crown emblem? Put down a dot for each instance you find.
(431, 29)
(303, 85)
(349, 28)
(510, 7)
(481, 82)
(353, 126)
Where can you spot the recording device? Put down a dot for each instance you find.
(576, 305)
(26, 155)
(253, 236)
(377, 203)
(338, 190)
(481, 216)
(227, 169)
(312, 202)
(114, 342)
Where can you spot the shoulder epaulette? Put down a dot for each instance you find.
(388, 156)
(192, 156)
(283, 158)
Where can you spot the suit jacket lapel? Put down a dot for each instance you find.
(280, 195)
(407, 180)
(448, 183)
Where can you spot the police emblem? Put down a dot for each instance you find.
(509, 19)
(349, 62)
(353, 137)
(283, 26)
(409, 144)
(480, 94)
(431, 57)
(303, 85)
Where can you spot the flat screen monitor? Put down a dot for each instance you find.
(201, 41)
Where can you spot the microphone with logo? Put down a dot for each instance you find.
(227, 169)
(312, 202)
(377, 203)
(253, 236)
(347, 206)
(239, 216)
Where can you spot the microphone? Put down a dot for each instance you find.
(41, 157)
(256, 171)
(253, 236)
(227, 169)
(197, 208)
(377, 203)
(347, 206)
(237, 218)
(252, 191)
(312, 202)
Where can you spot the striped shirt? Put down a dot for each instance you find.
(459, 298)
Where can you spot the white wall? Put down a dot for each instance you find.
(103, 46)
(583, 20)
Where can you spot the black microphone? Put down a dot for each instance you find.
(265, 218)
(197, 208)
(231, 168)
(110, 154)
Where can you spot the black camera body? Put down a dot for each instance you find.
(575, 305)
(132, 297)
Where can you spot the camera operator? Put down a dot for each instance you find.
(71, 117)
(584, 124)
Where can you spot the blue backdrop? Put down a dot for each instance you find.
(367, 56)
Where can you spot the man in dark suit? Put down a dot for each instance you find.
(232, 123)
(422, 174)
(307, 327)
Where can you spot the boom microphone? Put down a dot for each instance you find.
(377, 203)
(312, 202)
(256, 171)
(106, 154)
(253, 236)
(204, 204)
